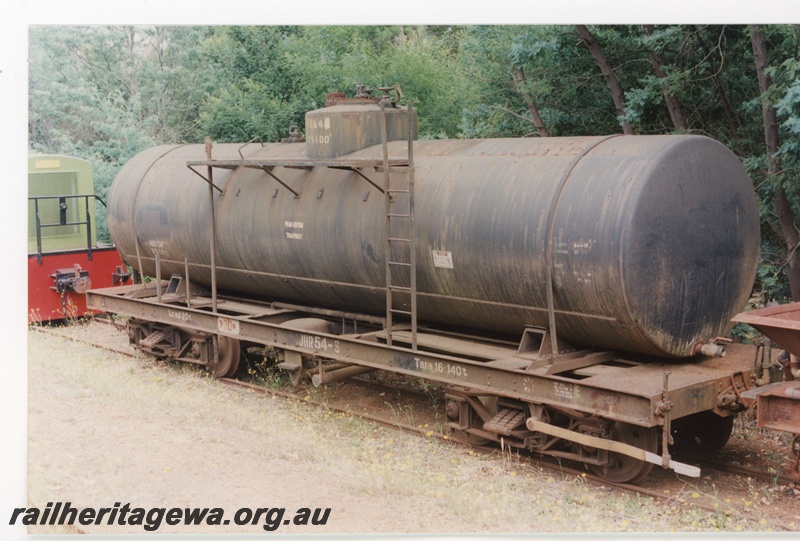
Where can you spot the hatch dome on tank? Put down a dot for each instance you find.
(346, 125)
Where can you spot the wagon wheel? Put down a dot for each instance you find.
(229, 351)
(700, 436)
(623, 468)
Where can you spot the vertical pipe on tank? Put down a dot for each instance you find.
(386, 188)
(138, 257)
(188, 284)
(413, 260)
(158, 277)
(213, 230)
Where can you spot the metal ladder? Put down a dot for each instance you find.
(395, 240)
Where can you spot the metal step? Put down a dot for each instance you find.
(152, 340)
(505, 422)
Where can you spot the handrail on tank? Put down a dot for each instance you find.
(210, 173)
(63, 219)
(253, 140)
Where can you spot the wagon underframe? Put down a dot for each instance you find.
(597, 383)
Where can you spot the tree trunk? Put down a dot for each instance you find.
(772, 139)
(733, 122)
(673, 105)
(608, 73)
(519, 84)
(771, 136)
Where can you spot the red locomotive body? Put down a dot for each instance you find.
(47, 303)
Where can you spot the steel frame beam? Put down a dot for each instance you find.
(639, 408)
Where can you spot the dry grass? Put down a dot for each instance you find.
(376, 479)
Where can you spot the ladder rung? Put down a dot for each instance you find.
(396, 191)
(399, 215)
(399, 263)
(392, 239)
(400, 312)
(400, 288)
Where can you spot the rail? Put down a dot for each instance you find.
(62, 204)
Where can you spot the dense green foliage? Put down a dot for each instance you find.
(106, 93)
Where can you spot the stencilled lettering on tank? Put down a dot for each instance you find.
(291, 230)
(323, 125)
(157, 248)
(582, 277)
(319, 139)
(560, 247)
(582, 246)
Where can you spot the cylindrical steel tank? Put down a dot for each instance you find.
(655, 239)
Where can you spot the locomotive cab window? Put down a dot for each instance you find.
(64, 183)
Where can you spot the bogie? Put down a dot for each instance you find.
(218, 353)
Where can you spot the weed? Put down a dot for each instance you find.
(35, 317)
(120, 319)
(261, 370)
(409, 413)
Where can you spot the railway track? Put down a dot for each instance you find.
(744, 471)
(667, 497)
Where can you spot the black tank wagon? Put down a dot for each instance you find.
(570, 291)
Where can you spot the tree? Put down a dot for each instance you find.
(673, 105)
(521, 84)
(490, 56)
(270, 76)
(608, 72)
(783, 209)
(107, 93)
(730, 114)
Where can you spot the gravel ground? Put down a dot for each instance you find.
(107, 428)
